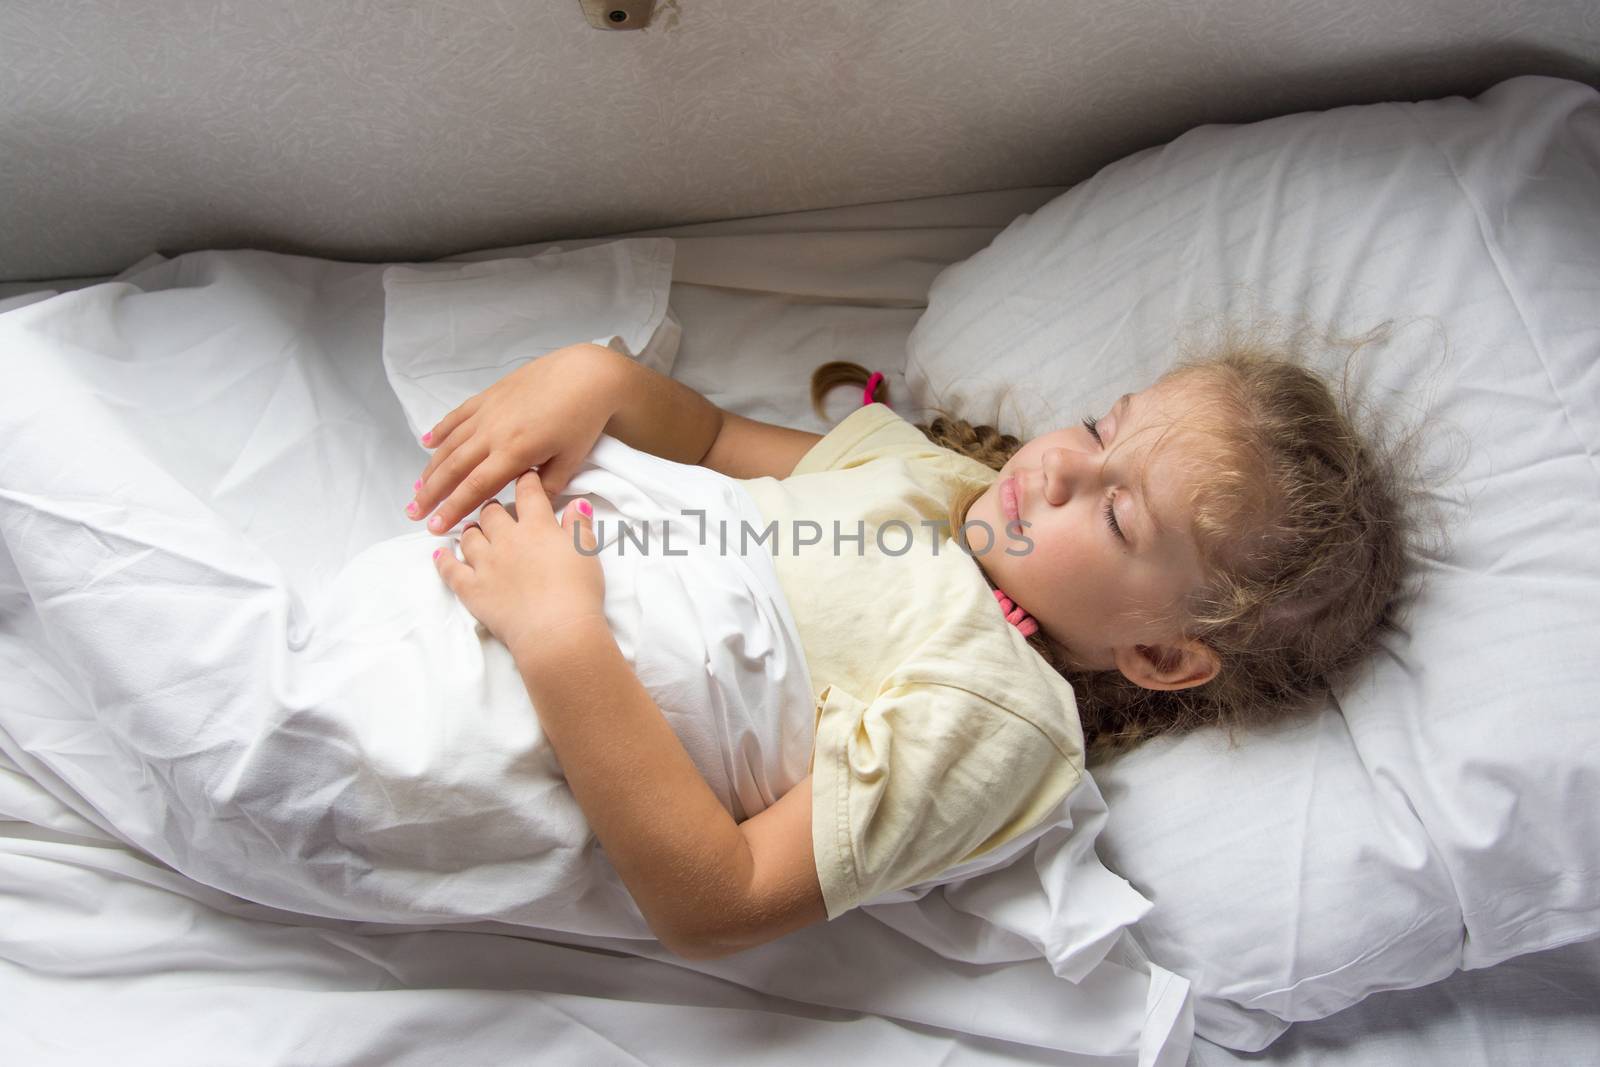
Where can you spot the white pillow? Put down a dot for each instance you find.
(451, 330)
(1461, 789)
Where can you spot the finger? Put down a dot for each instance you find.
(531, 498)
(477, 486)
(445, 472)
(446, 426)
(494, 517)
(473, 541)
(464, 437)
(445, 562)
(556, 472)
(579, 532)
(580, 514)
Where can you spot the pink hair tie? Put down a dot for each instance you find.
(1025, 623)
(872, 387)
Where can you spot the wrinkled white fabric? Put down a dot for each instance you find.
(373, 755)
(252, 386)
(1441, 809)
(1064, 905)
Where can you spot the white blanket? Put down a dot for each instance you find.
(375, 755)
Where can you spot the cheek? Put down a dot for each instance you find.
(1061, 554)
(1029, 561)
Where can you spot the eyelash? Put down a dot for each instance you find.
(1092, 425)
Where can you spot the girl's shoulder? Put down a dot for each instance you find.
(875, 432)
(973, 657)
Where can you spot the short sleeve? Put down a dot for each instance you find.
(870, 432)
(921, 779)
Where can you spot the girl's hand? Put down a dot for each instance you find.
(523, 576)
(547, 414)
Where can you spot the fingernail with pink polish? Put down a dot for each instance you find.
(417, 487)
(585, 510)
(427, 438)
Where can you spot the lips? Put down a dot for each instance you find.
(1010, 499)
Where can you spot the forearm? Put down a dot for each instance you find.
(666, 418)
(675, 847)
(656, 414)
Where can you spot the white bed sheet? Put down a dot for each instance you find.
(1539, 1009)
(166, 971)
(172, 972)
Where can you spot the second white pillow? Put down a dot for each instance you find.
(451, 330)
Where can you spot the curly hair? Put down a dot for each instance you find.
(1303, 525)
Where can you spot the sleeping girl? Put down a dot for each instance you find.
(1214, 549)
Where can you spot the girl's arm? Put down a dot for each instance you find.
(666, 418)
(707, 886)
(548, 414)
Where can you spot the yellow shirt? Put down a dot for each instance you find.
(940, 733)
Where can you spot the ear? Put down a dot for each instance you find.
(1180, 665)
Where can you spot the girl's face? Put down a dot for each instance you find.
(1088, 570)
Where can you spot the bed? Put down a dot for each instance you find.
(171, 970)
(891, 265)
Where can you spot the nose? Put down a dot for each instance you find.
(1065, 470)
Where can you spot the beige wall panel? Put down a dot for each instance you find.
(403, 129)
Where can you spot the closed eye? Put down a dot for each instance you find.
(1111, 520)
(1092, 424)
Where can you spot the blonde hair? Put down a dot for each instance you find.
(1302, 526)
